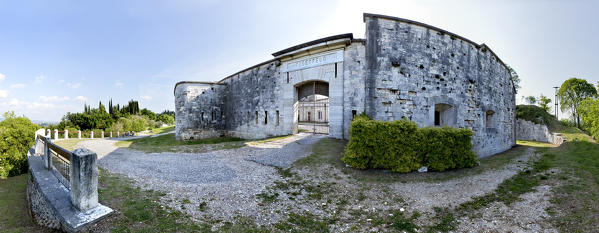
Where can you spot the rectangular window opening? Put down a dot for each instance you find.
(278, 118)
(319, 115)
(437, 118)
(287, 77)
(489, 119)
(353, 114)
(256, 117)
(335, 69)
(265, 117)
(202, 116)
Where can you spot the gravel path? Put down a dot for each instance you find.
(228, 180)
(299, 146)
(228, 184)
(424, 196)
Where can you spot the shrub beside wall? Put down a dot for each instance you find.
(403, 147)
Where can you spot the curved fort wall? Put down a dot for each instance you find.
(403, 69)
(414, 67)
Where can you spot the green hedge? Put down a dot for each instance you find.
(403, 147)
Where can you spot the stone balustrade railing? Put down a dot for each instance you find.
(56, 134)
(59, 200)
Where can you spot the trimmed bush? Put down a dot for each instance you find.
(403, 147)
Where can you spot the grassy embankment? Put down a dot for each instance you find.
(166, 129)
(168, 143)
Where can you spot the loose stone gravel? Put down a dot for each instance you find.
(228, 183)
(227, 180)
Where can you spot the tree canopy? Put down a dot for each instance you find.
(544, 103)
(16, 137)
(515, 78)
(572, 92)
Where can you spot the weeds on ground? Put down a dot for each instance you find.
(168, 143)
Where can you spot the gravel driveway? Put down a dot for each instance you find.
(228, 179)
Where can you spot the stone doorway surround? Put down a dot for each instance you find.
(322, 67)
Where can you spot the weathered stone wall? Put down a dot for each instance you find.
(413, 67)
(252, 101)
(529, 131)
(353, 83)
(199, 110)
(403, 69)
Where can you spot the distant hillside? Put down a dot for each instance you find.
(537, 115)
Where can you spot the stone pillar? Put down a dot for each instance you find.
(84, 179)
(102, 134)
(49, 134)
(79, 134)
(55, 134)
(91, 135)
(47, 155)
(66, 134)
(110, 133)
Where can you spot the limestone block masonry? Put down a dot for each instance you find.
(402, 70)
(529, 131)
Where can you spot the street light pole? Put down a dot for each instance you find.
(556, 103)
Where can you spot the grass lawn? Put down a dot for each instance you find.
(69, 144)
(162, 130)
(168, 143)
(14, 216)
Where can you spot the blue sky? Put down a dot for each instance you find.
(57, 55)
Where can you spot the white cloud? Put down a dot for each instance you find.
(17, 85)
(39, 79)
(146, 97)
(2, 76)
(53, 98)
(3, 93)
(80, 98)
(73, 85)
(118, 84)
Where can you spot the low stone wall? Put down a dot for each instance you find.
(60, 204)
(529, 131)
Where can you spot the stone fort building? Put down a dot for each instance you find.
(401, 69)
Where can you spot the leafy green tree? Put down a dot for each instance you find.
(167, 119)
(148, 113)
(544, 103)
(515, 78)
(16, 137)
(589, 111)
(531, 100)
(572, 92)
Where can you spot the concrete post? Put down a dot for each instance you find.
(79, 134)
(110, 133)
(56, 134)
(49, 134)
(91, 135)
(66, 134)
(118, 134)
(102, 134)
(47, 155)
(84, 179)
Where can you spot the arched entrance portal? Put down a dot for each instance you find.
(311, 108)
